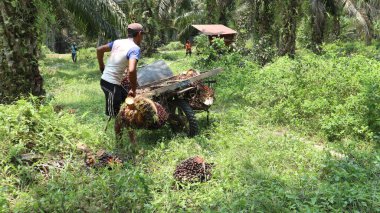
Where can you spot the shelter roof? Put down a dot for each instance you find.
(214, 29)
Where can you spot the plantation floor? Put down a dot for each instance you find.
(258, 166)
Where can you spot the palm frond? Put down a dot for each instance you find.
(183, 23)
(370, 3)
(103, 14)
(164, 6)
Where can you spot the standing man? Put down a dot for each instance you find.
(125, 54)
(74, 52)
(188, 47)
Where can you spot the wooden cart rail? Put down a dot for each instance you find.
(170, 84)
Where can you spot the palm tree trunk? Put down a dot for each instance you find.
(263, 20)
(318, 23)
(336, 26)
(366, 15)
(332, 8)
(288, 41)
(350, 7)
(19, 71)
(265, 17)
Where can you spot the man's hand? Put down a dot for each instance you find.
(101, 67)
(131, 93)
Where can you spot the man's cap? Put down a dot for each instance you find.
(136, 27)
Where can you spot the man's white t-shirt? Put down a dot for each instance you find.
(121, 51)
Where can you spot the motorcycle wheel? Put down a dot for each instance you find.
(182, 118)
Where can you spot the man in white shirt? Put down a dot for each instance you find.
(125, 54)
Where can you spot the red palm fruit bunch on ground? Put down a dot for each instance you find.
(99, 159)
(141, 112)
(194, 169)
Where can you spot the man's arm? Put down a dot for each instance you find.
(132, 75)
(100, 55)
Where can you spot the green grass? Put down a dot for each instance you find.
(262, 164)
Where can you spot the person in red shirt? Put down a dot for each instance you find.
(188, 47)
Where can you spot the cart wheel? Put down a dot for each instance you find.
(182, 118)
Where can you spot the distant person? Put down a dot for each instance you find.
(188, 47)
(74, 49)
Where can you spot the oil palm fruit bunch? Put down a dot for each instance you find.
(194, 169)
(141, 112)
(162, 117)
(101, 159)
(106, 159)
(187, 74)
(203, 97)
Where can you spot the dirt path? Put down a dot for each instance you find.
(60, 56)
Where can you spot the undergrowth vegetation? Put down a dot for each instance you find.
(295, 135)
(335, 95)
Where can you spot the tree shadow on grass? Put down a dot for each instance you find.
(342, 184)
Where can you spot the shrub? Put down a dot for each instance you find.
(87, 53)
(27, 127)
(207, 55)
(340, 49)
(263, 51)
(202, 43)
(332, 95)
(175, 45)
(30, 127)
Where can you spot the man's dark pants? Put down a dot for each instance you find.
(115, 96)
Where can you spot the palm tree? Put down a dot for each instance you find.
(288, 37)
(226, 6)
(211, 11)
(182, 23)
(176, 17)
(257, 18)
(148, 19)
(362, 10)
(19, 71)
(318, 24)
(333, 9)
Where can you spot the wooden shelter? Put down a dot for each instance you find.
(217, 30)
